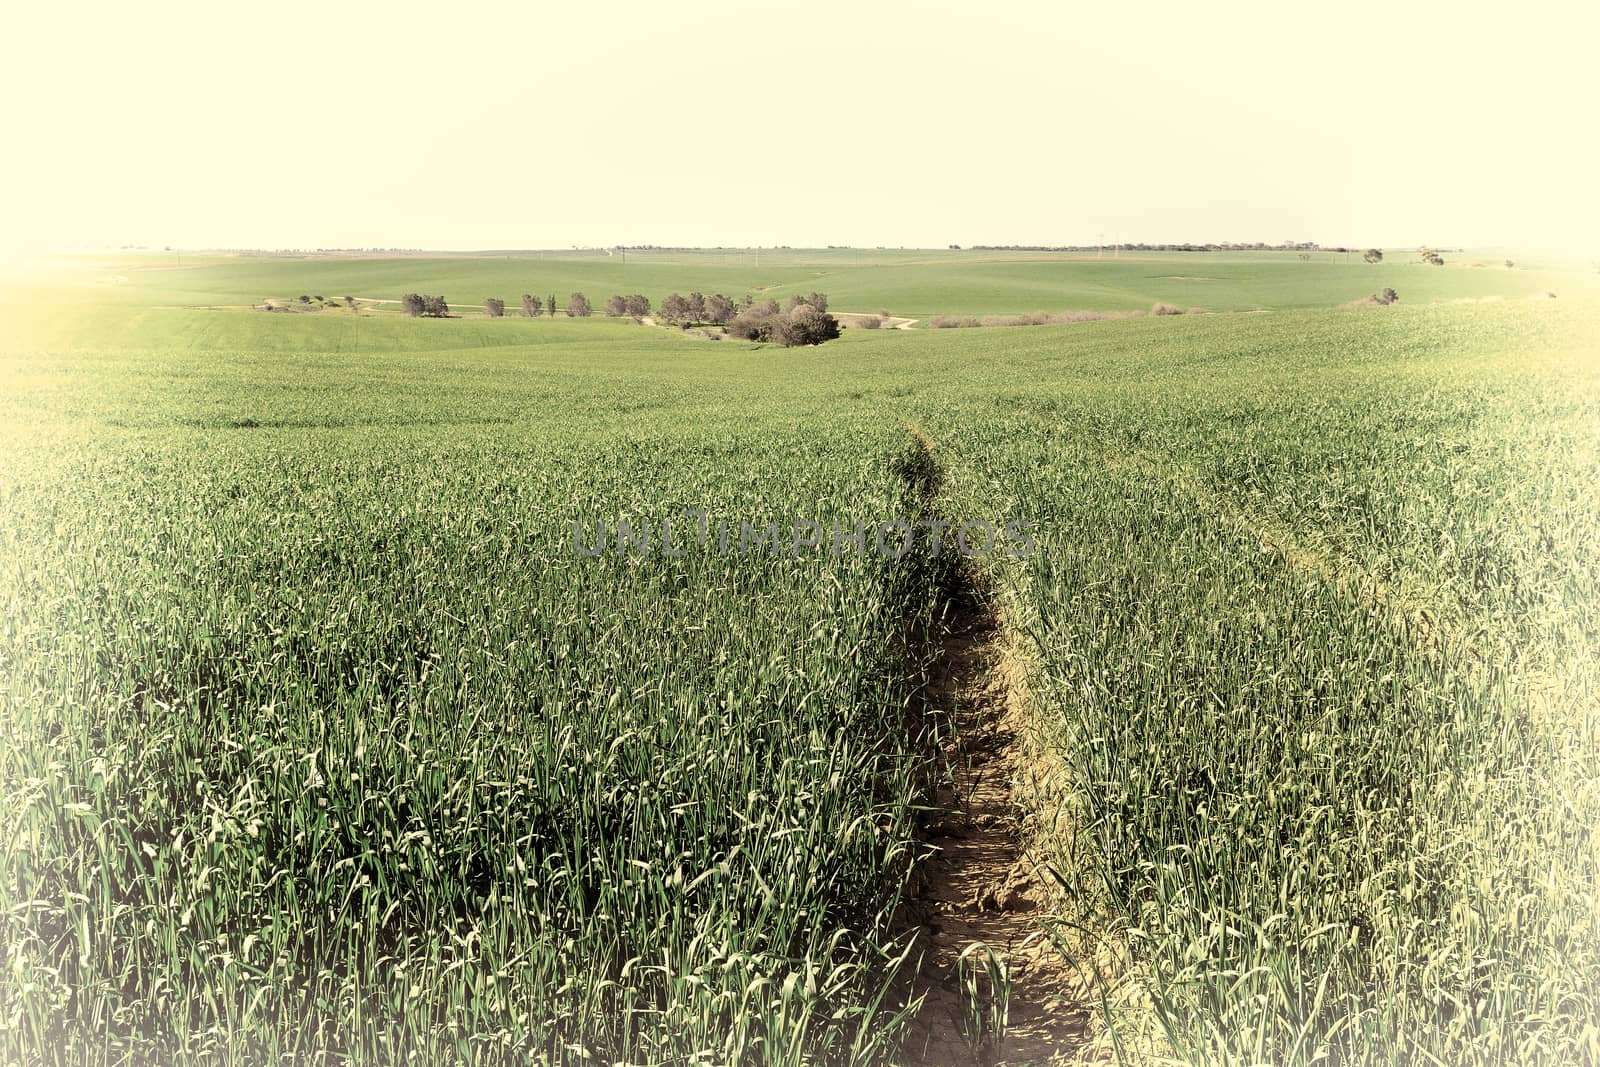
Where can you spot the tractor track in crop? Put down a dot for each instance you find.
(993, 987)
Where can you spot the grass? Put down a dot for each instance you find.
(320, 739)
(916, 284)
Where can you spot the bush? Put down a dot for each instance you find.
(805, 325)
(1166, 309)
(754, 323)
(869, 322)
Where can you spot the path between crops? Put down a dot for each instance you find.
(981, 888)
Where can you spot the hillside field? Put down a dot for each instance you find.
(324, 741)
(918, 284)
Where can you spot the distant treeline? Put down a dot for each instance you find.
(1224, 246)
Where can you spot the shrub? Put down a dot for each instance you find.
(754, 323)
(869, 322)
(805, 325)
(1165, 309)
(1373, 255)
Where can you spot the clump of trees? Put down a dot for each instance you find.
(801, 324)
(428, 307)
(1430, 256)
(696, 309)
(530, 305)
(578, 306)
(816, 300)
(1373, 255)
(636, 305)
(494, 306)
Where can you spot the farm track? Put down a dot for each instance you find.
(974, 910)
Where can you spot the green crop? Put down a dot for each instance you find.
(320, 741)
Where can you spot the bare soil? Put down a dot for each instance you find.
(981, 886)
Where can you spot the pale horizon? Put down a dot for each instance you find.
(894, 126)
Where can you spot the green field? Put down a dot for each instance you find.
(322, 743)
(918, 284)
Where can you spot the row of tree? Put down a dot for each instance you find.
(803, 321)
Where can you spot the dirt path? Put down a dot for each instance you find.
(979, 893)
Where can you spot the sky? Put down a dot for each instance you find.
(526, 125)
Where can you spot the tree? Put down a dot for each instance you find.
(578, 306)
(1430, 256)
(1511, 264)
(350, 302)
(638, 305)
(616, 306)
(434, 307)
(530, 305)
(695, 304)
(1373, 255)
(303, 298)
(1387, 296)
(719, 309)
(414, 303)
(552, 305)
(818, 301)
(494, 306)
(674, 309)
